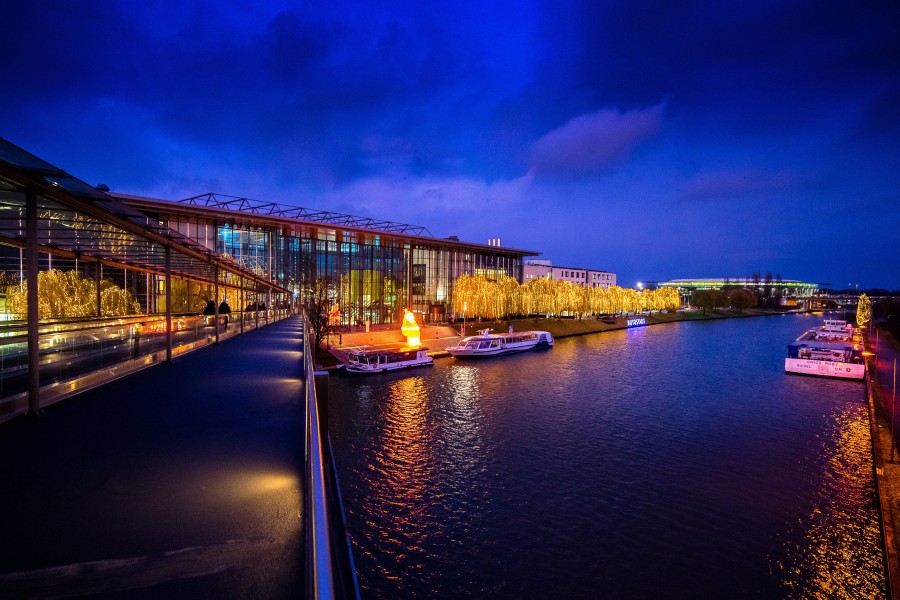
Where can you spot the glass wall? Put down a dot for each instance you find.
(372, 275)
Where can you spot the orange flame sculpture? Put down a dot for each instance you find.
(410, 329)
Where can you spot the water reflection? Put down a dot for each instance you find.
(564, 473)
(822, 557)
(397, 505)
(461, 425)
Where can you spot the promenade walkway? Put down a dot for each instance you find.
(887, 452)
(182, 480)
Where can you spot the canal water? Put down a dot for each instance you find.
(674, 461)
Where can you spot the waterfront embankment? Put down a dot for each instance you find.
(881, 390)
(438, 337)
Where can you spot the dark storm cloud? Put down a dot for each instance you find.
(578, 111)
(763, 64)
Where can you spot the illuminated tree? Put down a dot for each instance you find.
(601, 302)
(68, 294)
(583, 301)
(489, 299)
(863, 310)
(465, 295)
(508, 296)
(615, 299)
(189, 296)
(536, 295)
(631, 301)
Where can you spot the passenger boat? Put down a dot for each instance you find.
(382, 360)
(492, 344)
(833, 350)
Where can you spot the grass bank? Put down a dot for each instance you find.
(565, 327)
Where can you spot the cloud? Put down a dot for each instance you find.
(727, 185)
(432, 202)
(594, 142)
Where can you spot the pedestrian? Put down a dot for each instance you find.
(224, 309)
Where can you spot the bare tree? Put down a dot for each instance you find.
(741, 299)
(708, 300)
(317, 306)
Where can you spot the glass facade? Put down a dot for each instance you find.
(94, 285)
(372, 275)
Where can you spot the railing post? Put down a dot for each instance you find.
(216, 301)
(168, 304)
(31, 269)
(98, 276)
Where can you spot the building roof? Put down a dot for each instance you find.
(552, 266)
(719, 281)
(261, 207)
(257, 211)
(78, 220)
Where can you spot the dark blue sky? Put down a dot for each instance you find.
(656, 140)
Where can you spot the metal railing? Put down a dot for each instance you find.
(78, 354)
(330, 572)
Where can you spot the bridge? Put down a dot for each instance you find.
(207, 476)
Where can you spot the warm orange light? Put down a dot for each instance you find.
(410, 329)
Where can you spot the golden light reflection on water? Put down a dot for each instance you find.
(418, 456)
(840, 552)
(399, 489)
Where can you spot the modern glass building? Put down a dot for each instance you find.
(91, 280)
(374, 269)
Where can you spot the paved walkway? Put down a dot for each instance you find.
(182, 480)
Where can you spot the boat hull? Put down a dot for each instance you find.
(825, 368)
(467, 353)
(371, 370)
(497, 344)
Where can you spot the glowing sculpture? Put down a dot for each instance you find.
(410, 329)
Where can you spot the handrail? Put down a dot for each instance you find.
(327, 579)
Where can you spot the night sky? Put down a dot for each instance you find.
(657, 140)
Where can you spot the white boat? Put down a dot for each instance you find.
(837, 330)
(833, 350)
(492, 344)
(382, 360)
